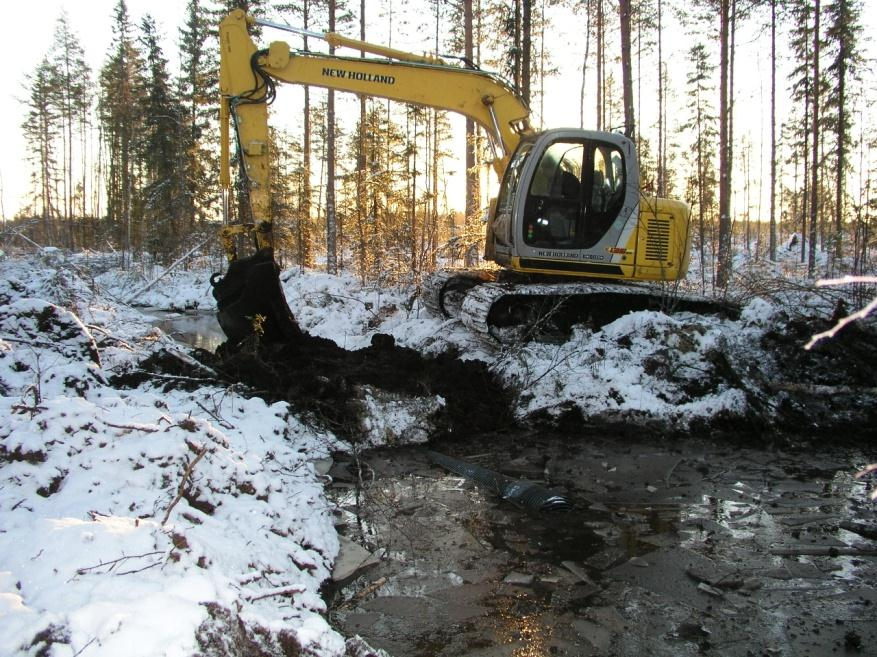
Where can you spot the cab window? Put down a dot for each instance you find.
(576, 192)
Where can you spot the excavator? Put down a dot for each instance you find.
(572, 237)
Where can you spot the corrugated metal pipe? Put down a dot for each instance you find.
(527, 494)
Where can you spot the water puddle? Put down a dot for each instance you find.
(196, 329)
(684, 549)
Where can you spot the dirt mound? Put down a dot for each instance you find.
(321, 379)
(329, 385)
(830, 389)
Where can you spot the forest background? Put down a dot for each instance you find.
(758, 113)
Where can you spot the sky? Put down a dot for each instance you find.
(27, 39)
(24, 42)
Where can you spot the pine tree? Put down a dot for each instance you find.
(701, 124)
(73, 100)
(42, 127)
(814, 154)
(121, 119)
(723, 273)
(198, 89)
(624, 12)
(772, 239)
(801, 84)
(843, 35)
(162, 145)
(331, 216)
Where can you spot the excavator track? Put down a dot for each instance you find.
(510, 312)
(443, 292)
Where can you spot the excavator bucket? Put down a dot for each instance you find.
(249, 300)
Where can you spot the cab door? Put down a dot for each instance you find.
(576, 203)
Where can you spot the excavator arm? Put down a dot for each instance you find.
(249, 298)
(248, 76)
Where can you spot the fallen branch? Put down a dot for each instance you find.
(670, 473)
(823, 390)
(860, 314)
(131, 427)
(115, 562)
(215, 416)
(284, 591)
(109, 336)
(139, 570)
(167, 271)
(29, 343)
(181, 489)
(188, 379)
(82, 649)
(823, 551)
(24, 408)
(367, 591)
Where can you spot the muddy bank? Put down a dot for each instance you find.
(826, 392)
(829, 390)
(688, 548)
(347, 391)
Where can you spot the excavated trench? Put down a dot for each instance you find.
(686, 548)
(728, 541)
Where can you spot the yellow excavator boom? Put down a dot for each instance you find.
(248, 75)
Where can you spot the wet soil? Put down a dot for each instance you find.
(676, 545)
(825, 392)
(325, 382)
(327, 385)
(690, 548)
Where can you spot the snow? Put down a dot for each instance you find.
(128, 517)
(90, 472)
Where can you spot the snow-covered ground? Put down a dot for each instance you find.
(98, 549)
(148, 521)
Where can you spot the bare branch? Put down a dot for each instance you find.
(285, 591)
(846, 280)
(181, 489)
(830, 333)
(132, 427)
(115, 562)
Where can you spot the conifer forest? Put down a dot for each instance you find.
(125, 157)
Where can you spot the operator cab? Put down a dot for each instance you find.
(568, 195)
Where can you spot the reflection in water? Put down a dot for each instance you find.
(200, 330)
(518, 623)
(454, 557)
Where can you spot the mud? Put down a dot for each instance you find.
(825, 392)
(758, 543)
(325, 382)
(690, 548)
(828, 390)
(329, 386)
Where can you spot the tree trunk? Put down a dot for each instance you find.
(814, 173)
(526, 50)
(724, 255)
(600, 54)
(841, 150)
(772, 239)
(361, 166)
(304, 225)
(516, 55)
(585, 65)
(662, 141)
(473, 191)
(626, 68)
(331, 220)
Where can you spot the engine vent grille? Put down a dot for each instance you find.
(657, 239)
